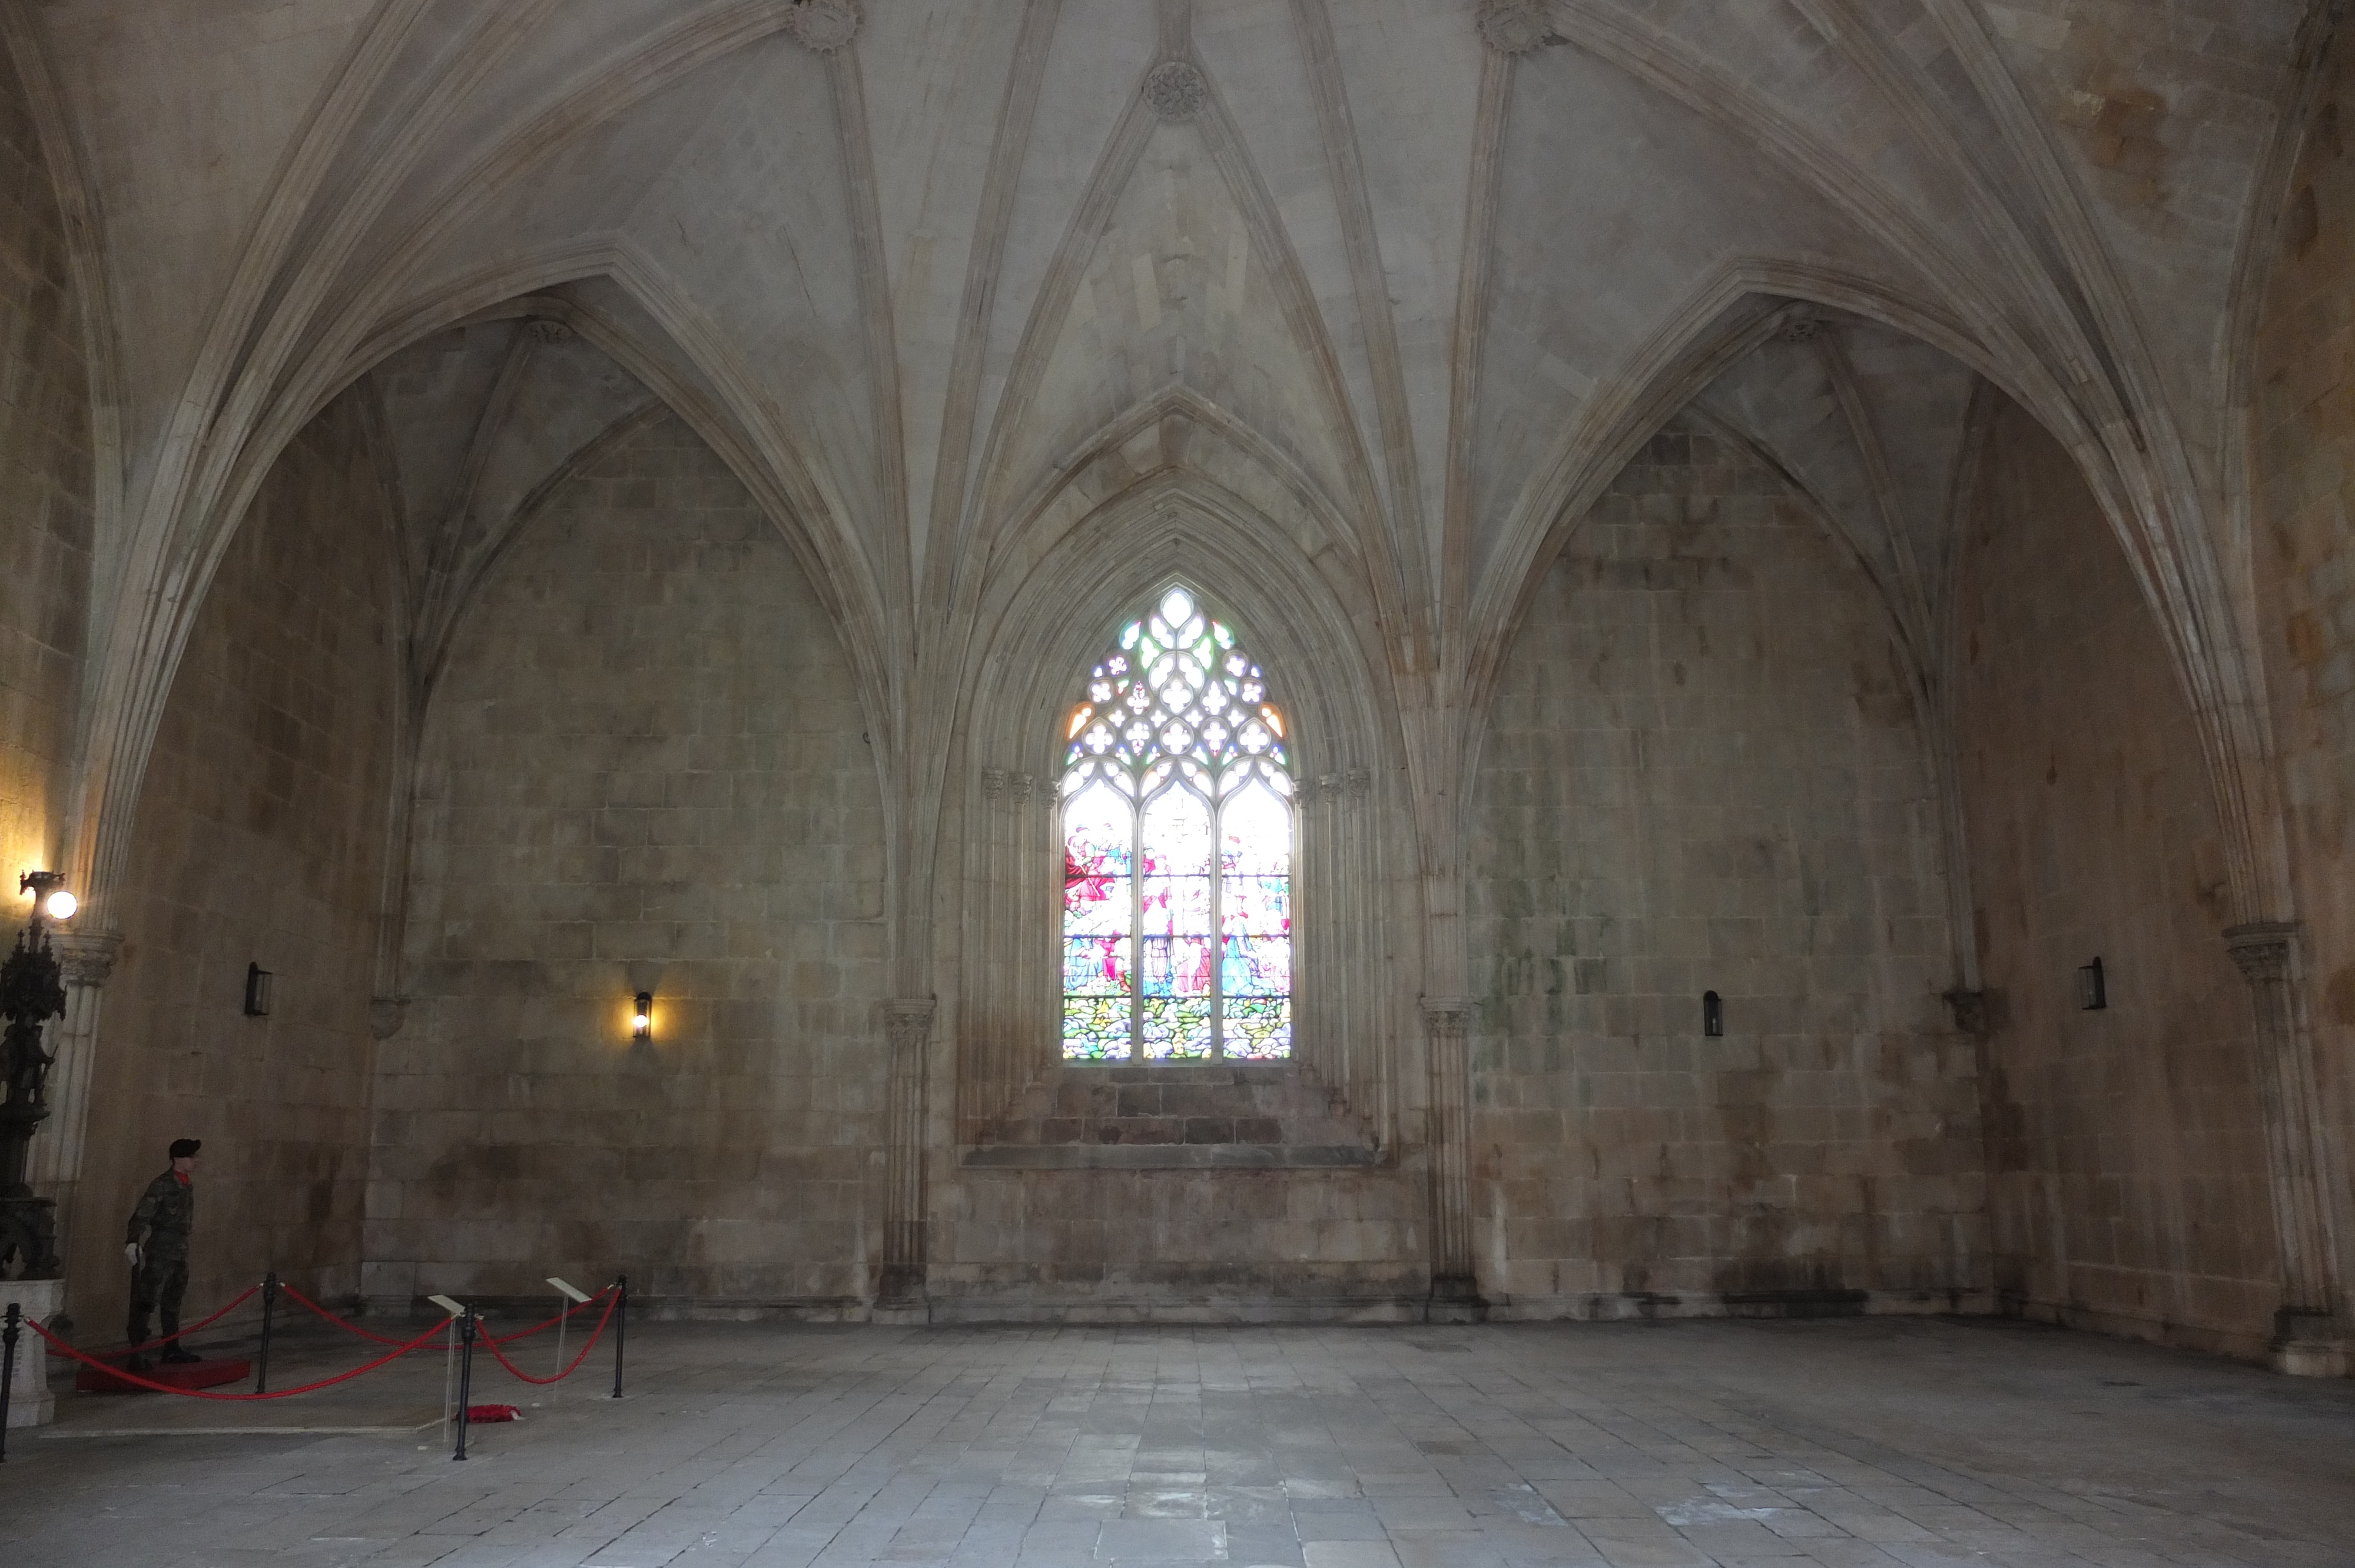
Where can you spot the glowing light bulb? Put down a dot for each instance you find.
(62, 905)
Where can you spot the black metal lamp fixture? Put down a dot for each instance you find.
(50, 899)
(2092, 990)
(1712, 1015)
(259, 983)
(642, 1018)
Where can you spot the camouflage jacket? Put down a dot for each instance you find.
(164, 1214)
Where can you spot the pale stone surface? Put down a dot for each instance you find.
(261, 840)
(30, 1402)
(45, 500)
(988, 321)
(644, 768)
(1926, 1444)
(2125, 1146)
(1705, 775)
(2304, 558)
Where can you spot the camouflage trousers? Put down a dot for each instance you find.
(158, 1286)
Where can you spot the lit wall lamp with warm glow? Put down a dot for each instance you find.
(2093, 990)
(642, 1018)
(50, 899)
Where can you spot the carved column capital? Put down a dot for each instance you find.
(86, 957)
(993, 784)
(1448, 1017)
(2265, 949)
(909, 1021)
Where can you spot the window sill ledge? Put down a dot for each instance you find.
(1170, 1157)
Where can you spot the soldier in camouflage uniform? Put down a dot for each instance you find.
(157, 1248)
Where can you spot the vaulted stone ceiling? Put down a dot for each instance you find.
(1435, 267)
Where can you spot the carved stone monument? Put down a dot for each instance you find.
(32, 991)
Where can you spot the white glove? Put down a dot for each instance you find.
(131, 1253)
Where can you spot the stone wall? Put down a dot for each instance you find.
(259, 837)
(45, 497)
(2305, 559)
(644, 767)
(2125, 1146)
(1703, 773)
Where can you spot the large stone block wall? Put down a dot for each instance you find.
(2305, 559)
(261, 836)
(2126, 1146)
(644, 765)
(45, 497)
(1703, 773)
(1333, 1231)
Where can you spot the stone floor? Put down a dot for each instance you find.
(1879, 1441)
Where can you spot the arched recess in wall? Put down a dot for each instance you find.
(627, 311)
(1108, 544)
(644, 768)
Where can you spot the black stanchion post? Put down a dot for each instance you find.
(621, 1327)
(465, 1374)
(8, 1370)
(269, 1310)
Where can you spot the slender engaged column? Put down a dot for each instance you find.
(54, 1161)
(2310, 1335)
(1455, 1290)
(908, 1024)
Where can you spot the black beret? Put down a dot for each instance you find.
(186, 1148)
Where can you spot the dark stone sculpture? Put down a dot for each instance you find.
(32, 991)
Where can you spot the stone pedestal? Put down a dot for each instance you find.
(2309, 1344)
(31, 1402)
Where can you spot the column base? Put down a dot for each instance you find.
(2311, 1344)
(1456, 1298)
(899, 1296)
(31, 1402)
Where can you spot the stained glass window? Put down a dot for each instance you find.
(1177, 851)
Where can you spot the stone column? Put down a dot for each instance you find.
(2309, 1334)
(1454, 1291)
(908, 1024)
(54, 1170)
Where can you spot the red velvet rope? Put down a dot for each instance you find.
(237, 1398)
(492, 1338)
(339, 1322)
(501, 1356)
(134, 1350)
(543, 1327)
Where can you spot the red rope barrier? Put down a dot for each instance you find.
(568, 1313)
(237, 1398)
(284, 1289)
(501, 1356)
(346, 1323)
(183, 1333)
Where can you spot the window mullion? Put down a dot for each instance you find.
(1218, 933)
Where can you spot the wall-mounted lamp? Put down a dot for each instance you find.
(51, 898)
(2092, 990)
(1712, 1015)
(642, 1018)
(259, 985)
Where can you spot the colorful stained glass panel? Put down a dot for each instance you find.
(1183, 904)
(1174, 1028)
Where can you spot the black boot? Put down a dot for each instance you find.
(136, 1334)
(175, 1354)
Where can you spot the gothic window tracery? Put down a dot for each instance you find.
(1177, 799)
